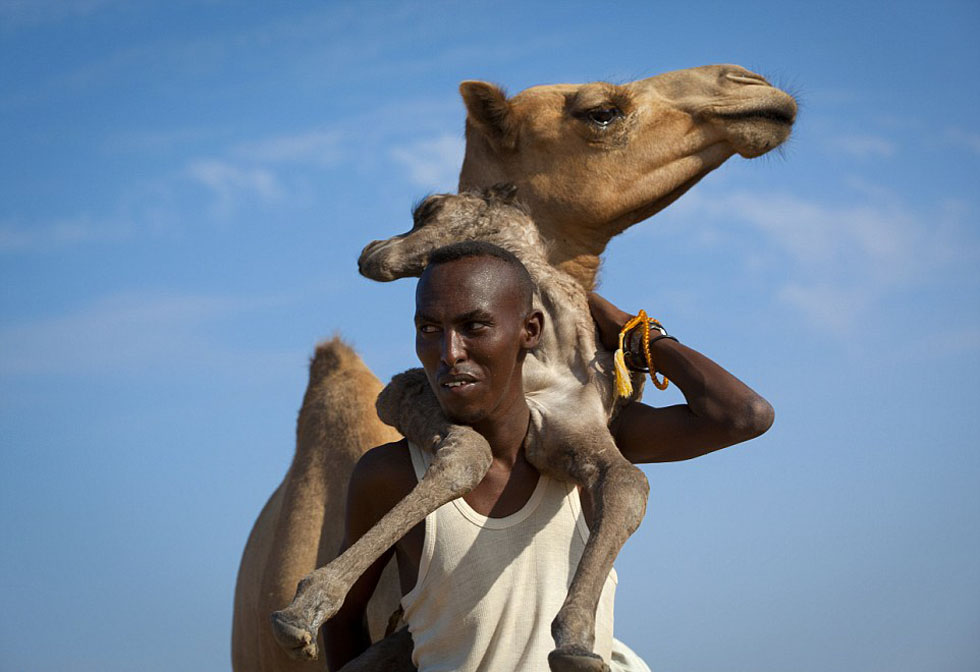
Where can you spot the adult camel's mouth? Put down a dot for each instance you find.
(755, 130)
(775, 114)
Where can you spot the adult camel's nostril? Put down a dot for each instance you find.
(746, 77)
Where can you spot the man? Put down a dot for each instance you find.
(474, 597)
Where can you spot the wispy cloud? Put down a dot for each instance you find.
(17, 13)
(959, 137)
(832, 307)
(313, 146)
(897, 242)
(956, 341)
(844, 258)
(257, 170)
(864, 146)
(261, 171)
(230, 183)
(126, 333)
(432, 163)
(61, 233)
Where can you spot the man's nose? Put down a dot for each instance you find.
(453, 350)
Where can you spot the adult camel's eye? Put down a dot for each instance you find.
(603, 116)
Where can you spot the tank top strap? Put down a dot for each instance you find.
(420, 460)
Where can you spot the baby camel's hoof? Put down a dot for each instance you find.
(576, 660)
(296, 640)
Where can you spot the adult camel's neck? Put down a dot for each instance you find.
(571, 247)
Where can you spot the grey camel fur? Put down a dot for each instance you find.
(569, 385)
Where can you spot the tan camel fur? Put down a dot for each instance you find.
(589, 161)
(571, 392)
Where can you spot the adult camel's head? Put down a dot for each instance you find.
(591, 160)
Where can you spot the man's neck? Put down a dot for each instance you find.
(511, 479)
(505, 432)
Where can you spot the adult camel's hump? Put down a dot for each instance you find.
(589, 161)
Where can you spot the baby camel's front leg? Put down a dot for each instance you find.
(588, 456)
(461, 460)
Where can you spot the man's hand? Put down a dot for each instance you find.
(609, 319)
(720, 410)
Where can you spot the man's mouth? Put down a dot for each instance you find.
(458, 381)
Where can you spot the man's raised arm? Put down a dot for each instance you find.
(720, 411)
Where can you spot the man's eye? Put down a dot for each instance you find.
(428, 328)
(476, 326)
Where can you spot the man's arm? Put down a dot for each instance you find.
(376, 485)
(720, 411)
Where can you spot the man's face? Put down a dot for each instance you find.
(471, 329)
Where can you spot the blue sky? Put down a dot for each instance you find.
(185, 187)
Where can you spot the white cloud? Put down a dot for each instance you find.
(963, 138)
(864, 146)
(833, 308)
(958, 341)
(33, 12)
(844, 258)
(887, 239)
(230, 182)
(315, 146)
(432, 163)
(266, 170)
(61, 233)
(125, 333)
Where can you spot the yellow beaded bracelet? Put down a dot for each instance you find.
(624, 386)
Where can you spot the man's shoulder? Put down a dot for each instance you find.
(385, 467)
(381, 478)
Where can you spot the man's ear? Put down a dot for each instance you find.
(489, 112)
(533, 324)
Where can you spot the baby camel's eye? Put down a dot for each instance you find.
(603, 116)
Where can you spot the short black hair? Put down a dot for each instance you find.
(481, 248)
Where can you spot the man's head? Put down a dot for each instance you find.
(475, 322)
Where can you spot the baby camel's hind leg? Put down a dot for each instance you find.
(589, 457)
(461, 460)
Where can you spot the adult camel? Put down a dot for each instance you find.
(589, 161)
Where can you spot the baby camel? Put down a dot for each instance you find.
(569, 386)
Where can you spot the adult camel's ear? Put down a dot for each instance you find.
(488, 111)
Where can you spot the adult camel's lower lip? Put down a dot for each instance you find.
(775, 114)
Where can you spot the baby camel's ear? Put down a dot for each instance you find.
(489, 112)
(505, 192)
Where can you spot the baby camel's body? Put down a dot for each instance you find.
(569, 386)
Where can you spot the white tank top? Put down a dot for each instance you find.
(488, 588)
